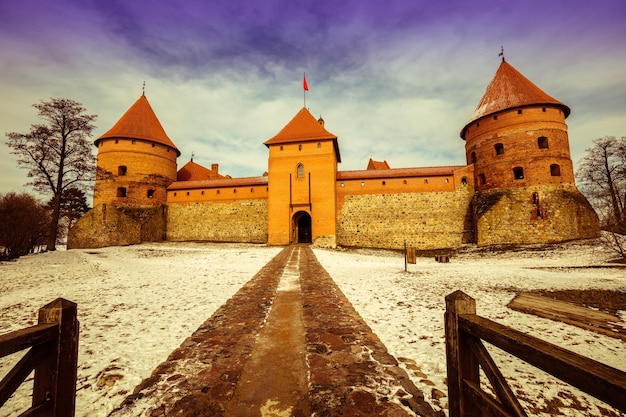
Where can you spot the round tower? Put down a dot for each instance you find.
(517, 142)
(136, 160)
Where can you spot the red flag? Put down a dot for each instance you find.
(304, 84)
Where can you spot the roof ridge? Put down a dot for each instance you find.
(139, 122)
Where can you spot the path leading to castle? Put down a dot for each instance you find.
(288, 343)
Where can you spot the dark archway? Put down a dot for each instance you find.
(302, 227)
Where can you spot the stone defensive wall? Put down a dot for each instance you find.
(426, 220)
(107, 225)
(242, 220)
(539, 214)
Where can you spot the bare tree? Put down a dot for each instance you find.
(58, 153)
(23, 224)
(602, 177)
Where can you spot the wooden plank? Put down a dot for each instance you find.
(26, 338)
(499, 384)
(602, 381)
(586, 318)
(16, 376)
(484, 402)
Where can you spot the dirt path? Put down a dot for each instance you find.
(288, 343)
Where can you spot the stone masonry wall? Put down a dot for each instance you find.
(540, 214)
(235, 221)
(106, 225)
(424, 220)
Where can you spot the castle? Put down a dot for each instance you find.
(517, 186)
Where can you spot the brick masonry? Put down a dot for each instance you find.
(236, 221)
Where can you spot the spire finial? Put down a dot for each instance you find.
(143, 89)
(502, 53)
(192, 155)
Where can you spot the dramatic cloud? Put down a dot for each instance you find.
(394, 79)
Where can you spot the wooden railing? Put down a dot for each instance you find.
(466, 354)
(53, 355)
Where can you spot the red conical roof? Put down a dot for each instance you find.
(510, 89)
(303, 128)
(139, 122)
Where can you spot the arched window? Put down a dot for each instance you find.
(300, 171)
(555, 170)
(518, 173)
(542, 142)
(499, 148)
(464, 181)
(121, 170)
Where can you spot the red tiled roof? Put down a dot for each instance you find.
(510, 89)
(377, 165)
(225, 182)
(139, 122)
(398, 172)
(195, 172)
(303, 128)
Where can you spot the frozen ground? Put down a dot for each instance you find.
(137, 303)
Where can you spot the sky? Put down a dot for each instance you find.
(395, 80)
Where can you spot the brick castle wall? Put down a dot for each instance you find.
(234, 221)
(425, 220)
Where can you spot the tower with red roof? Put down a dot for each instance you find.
(517, 142)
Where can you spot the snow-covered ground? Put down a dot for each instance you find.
(138, 303)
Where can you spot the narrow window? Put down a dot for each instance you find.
(153, 145)
(535, 198)
(121, 170)
(495, 117)
(499, 148)
(150, 193)
(252, 190)
(174, 193)
(362, 183)
(234, 190)
(473, 158)
(319, 144)
(133, 141)
(519, 111)
(121, 192)
(299, 147)
(281, 147)
(426, 181)
(404, 182)
(202, 192)
(555, 170)
(300, 170)
(481, 179)
(447, 180)
(383, 182)
(464, 180)
(117, 141)
(518, 173)
(542, 142)
(543, 109)
(218, 191)
(187, 192)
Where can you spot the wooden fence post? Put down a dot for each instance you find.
(460, 361)
(55, 377)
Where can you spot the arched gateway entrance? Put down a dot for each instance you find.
(302, 227)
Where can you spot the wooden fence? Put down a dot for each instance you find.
(53, 355)
(466, 354)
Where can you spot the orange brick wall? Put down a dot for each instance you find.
(223, 194)
(149, 166)
(285, 188)
(518, 132)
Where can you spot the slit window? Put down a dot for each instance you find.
(473, 158)
(542, 142)
(121, 170)
(555, 170)
(518, 173)
(535, 198)
(481, 179)
(499, 148)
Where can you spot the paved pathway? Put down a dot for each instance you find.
(288, 343)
